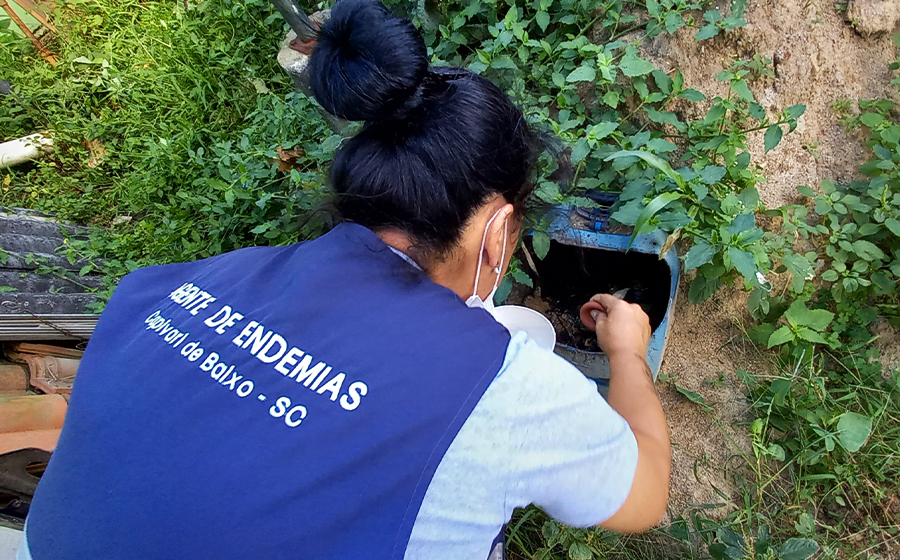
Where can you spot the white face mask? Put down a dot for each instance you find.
(474, 300)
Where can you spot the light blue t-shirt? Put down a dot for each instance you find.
(540, 434)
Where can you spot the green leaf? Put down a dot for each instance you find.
(776, 451)
(679, 530)
(523, 278)
(674, 21)
(550, 531)
(741, 223)
(830, 275)
(853, 430)
(805, 524)
(632, 65)
(796, 111)
(583, 73)
(882, 153)
(5, 289)
(871, 119)
(541, 243)
(85, 269)
(869, 229)
(738, 7)
(653, 8)
(759, 305)
(711, 174)
(503, 290)
(673, 221)
(665, 117)
(744, 262)
(611, 98)
(691, 395)
(756, 111)
(580, 551)
(798, 549)
(867, 250)
(810, 335)
(773, 137)
(601, 130)
(742, 90)
(661, 146)
(652, 208)
(891, 135)
(655, 161)
(548, 192)
(800, 316)
(629, 212)
(635, 189)
(543, 20)
(799, 267)
(719, 551)
(894, 225)
(692, 95)
(706, 32)
(503, 62)
(701, 253)
(477, 67)
(580, 150)
(781, 336)
(702, 288)
(780, 389)
(663, 81)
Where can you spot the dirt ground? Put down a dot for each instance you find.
(821, 55)
(819, 58)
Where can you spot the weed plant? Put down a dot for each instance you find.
(166, 118)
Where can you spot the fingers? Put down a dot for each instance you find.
(605, 299)
(590, 311)
(601, 306)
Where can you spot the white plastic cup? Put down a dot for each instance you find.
(517, 318)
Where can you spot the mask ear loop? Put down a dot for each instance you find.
(502, 252)
(481, 252)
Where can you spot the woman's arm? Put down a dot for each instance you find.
(623, 331)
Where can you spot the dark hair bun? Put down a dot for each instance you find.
(367, 63)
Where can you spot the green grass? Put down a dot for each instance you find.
(187, 105)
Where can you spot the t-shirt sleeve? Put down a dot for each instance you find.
(572, 454)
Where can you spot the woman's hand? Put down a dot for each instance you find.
(623, 331)
(622, 328)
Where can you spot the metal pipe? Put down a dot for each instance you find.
(294, 16)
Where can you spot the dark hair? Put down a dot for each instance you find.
(438, 141)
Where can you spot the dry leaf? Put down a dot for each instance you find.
(287, 159)
(673, 237)
(97, 150)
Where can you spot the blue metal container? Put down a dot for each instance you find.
(589, 229)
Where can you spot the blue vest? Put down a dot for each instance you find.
(273, 402)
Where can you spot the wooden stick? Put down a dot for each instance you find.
(48, 56)
(38, 13)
